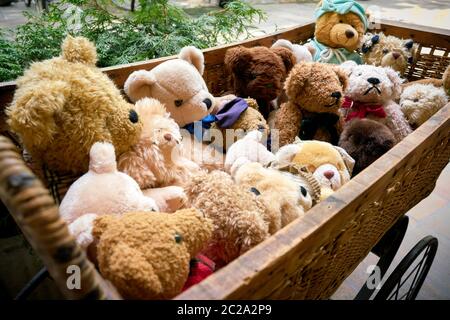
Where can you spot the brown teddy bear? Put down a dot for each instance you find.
(340, 27)
(259, 73)
(240, 219)
(315, 93)
(63, 105)
(147, 255)
(250, 119)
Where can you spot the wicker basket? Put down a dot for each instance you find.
(309, 258)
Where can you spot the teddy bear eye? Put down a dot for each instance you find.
(178, 238)
(385, 51)
(416, 100)
(303, 191)
(340, 21)
(178, 103)
(255, 191)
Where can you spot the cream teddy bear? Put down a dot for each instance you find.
(371, 93)
(156, 162)
(178, 84)
(102, 190)
(319, 162)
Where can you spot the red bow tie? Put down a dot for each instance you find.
(362, 109)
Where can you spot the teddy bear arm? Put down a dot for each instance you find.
(397, 121)
(251, 229)
(169, 199)
(136, 167)
(129, 271)
(287, 122)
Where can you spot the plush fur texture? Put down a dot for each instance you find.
(249, 148)
(178, 84)
(146, 256)
(156, 161)
(330, 165)
(259, 73)
(240, 219)
(63, 105)
(301, 53)
(311, 88)
(420, 101)
(385, 91)
(251, 119)
(446, 80)
(366, 140)
(102, 190)
(277, 191)
(390, 51)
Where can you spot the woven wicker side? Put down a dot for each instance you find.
(36, 214)
(312, 256)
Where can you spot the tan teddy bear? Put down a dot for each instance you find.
(179, 86)
(240, 219)
(315, 93)
(146, 256)
(250, 119)
(63, 105)
(340, 27)
(156, 162)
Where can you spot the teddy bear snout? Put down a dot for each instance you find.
(349, 33)
(337, 95)
(168, 137)
(133, 116)
(373, 81)
(329, 174)
(396, 55)
(208, 103)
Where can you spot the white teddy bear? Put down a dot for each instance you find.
(371, 93)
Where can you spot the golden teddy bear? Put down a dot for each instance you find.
(146, 255)
(63, 105)
(340, 27)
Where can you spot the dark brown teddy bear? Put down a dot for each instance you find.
(315, 93)
(259, 73)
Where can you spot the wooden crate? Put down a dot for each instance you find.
(310, 257)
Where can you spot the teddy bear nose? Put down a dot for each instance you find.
(133, 116)
(168, 136)
(336, 95)
(328, 174)
(396, 55)
(349, 34)
(373, 80)
(208, 103)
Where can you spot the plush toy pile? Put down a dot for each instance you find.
(181, 182)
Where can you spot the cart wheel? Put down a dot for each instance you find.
(415, 265)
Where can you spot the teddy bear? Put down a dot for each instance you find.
(156, 162)
(259, 73)
(147, 256)
(240, 219)
(63, 105)
(234, 119)
(315, 93)
(420, 101)
(178, 84)
(366, 140)
(102, 190)
(371, 93)
(339, 31)
(388, 51)
(301, 52)
(320, 162)
(249, 148)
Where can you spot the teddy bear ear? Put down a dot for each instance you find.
(138, 84)
(343, 78)
(287, 56)
(79, 49)
(297, 79)
(236, 59)
(396, 81)
(348, 66)
(194, 56)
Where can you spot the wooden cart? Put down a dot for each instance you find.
(310, 257)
